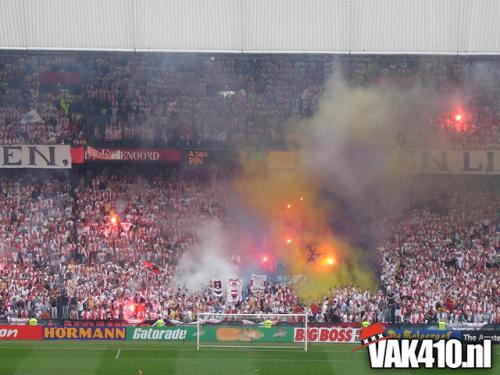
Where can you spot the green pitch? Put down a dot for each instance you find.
(124, 358)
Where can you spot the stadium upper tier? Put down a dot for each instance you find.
(177, 100)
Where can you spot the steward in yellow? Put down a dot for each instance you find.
(159, 323)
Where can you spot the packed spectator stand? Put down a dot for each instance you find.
(62, 259)
(208, 100)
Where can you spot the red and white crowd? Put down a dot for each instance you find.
(62, 255)
(227, 100)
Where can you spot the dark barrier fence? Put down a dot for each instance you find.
(167, 131)
(18, 329)
(120, 323)
(451, 326)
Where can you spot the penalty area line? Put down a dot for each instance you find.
(118, 354)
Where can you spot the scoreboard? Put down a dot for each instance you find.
(273, 160)
(209, 157)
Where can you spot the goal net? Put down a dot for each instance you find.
(251, 330)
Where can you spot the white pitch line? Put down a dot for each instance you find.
(118, 354)
(205, 348)
(249, 359)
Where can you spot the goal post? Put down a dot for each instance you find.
(271, 331)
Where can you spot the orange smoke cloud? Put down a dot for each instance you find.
(296, 218)
(349, 149)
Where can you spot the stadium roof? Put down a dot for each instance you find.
(338, 26)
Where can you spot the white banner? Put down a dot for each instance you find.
(32, 117)
(258, 283)
(35, 156)
(217, 288)
(450, 161)
(234, 290)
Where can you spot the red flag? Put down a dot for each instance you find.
(77, 155)
(153, 268)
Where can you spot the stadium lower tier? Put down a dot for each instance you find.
(102, 243)
(128, 357)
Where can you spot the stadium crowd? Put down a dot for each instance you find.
(102, 243)
(223, 100)
(440, 261)
(99, 243)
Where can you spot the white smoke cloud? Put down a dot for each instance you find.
(209, 258)
(357, 134)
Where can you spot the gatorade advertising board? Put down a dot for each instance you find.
(183, 333)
